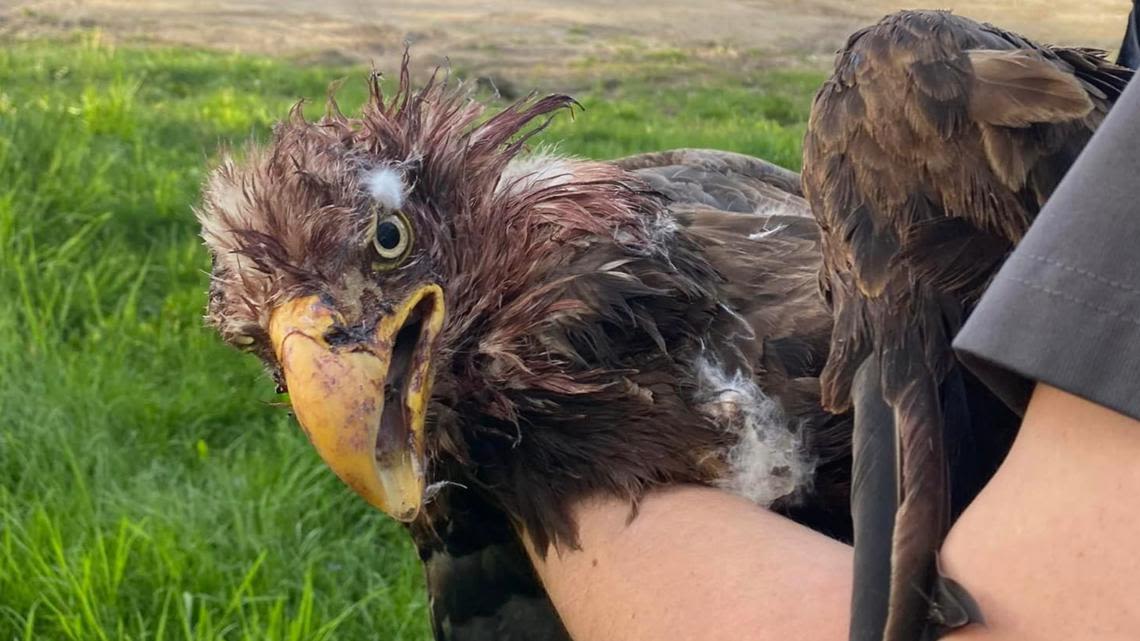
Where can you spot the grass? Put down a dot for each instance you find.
(148, 488)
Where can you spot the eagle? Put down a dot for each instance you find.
(928, 153)
(475, 333)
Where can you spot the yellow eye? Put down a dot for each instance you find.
(392, 239)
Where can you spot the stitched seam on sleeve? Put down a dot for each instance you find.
(1084, 272)
(1074, 299)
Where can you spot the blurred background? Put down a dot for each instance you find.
(151, 487)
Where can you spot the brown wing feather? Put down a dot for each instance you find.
(719, 179)
(928, 153)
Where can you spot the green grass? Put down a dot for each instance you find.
(148, 487)
(765, 118)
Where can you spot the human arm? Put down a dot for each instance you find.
(1048, 549)
(701, 564)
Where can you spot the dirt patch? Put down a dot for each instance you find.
(530, 40)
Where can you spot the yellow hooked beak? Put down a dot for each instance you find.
(361, 396)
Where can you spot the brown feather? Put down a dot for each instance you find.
(1020, 87)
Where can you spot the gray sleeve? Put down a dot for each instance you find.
(1065, 308)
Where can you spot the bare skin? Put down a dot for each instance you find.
(700, 564)
(1047, 549)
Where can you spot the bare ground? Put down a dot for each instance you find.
(532, 39)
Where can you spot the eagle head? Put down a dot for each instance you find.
(396, 262)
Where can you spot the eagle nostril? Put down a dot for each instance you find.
(338, 336)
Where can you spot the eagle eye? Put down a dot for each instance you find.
(391, 239)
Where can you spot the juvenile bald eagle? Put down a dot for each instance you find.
(473, 337)
(929, 151)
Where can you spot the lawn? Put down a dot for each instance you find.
(149, 486)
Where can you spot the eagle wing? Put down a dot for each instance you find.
(928, 153)
(719, 180)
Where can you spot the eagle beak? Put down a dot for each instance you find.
(361, 396)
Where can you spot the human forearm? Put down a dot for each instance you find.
(698, 564)
(1049, 547)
